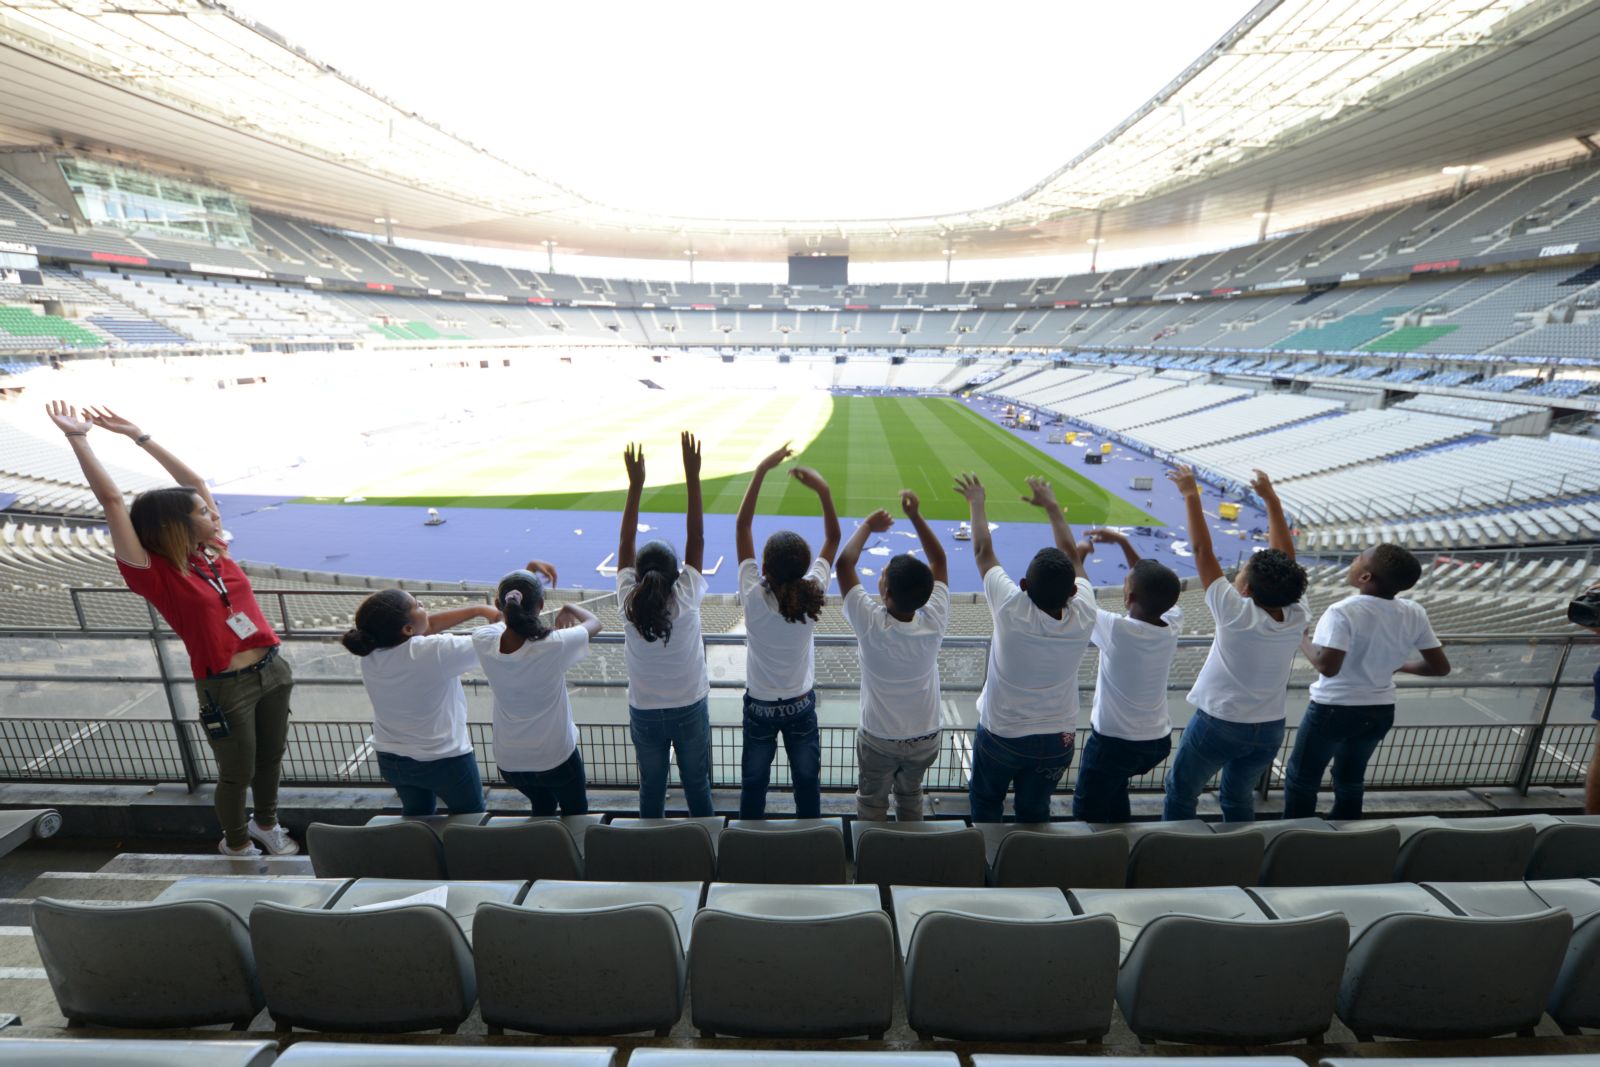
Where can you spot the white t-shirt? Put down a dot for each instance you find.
(1246, 674)
(899, 663)
(1130, 694)
(672, 673)
(1032, 682)
(418, 707)
(533, 729)
(1377, 636)
(779, 661)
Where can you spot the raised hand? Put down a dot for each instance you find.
(1040, 495)
(66, 417)
(1183, 478)
(970, 488)
(1262, 484)
(107, 419)
(567, 618)
(633, 459)
(879, 521)
(909, 503)
(545, 570)
(691, 455)
(1102, 536)
(777, 457)
(809, 478)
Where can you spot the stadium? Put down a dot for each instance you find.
(404, 317)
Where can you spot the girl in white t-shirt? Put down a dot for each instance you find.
(412, 672)
(782, 598)
(666, 659)
(526, 663)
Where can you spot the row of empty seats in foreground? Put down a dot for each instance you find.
(1218, 965)
(950, 852)
(136, 1053)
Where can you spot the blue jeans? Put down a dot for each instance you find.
(796, 720)
(565, 786)
(1241, 750)
(1035, 762)
(453, 780)
(1109, 763)
(1345, 735)
(657, 734)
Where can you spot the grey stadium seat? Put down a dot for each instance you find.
(1282, 979)
(1169, 855)
(524, 852)
(1322, 856)
(462, 900)
(609, 969)
(672, 851)
(18, 827)
(1361, 905)
(1453, 850)
(680, 899)
(386, 971)
(684, 1057)
(792, 901)
(1442, 978)
(120, 1052)
(756, 975)
(1136, 908)
(335, 1054)
(1064, 855)
(101, 964)
(791, 852)
(239, 895)
(1547, 1060)
(436, 823)
(1569, 849)
(402, 849)
(889, 854)
(577, 825)
(985, 1059)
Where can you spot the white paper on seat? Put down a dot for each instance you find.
(439, 895)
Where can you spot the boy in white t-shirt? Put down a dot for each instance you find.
(898, 638)
(1359, 644)
(662, 648)
(782, 597)
(1238, 721)
(1028, 709)
(1131, 728)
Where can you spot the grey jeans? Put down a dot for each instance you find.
(892, 765)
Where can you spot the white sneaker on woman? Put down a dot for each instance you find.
(274, 841)
(238, 853)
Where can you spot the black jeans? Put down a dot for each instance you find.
(566, 786)
(1344, 734)
(1109, 764)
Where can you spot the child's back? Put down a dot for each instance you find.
(1130, 690)
(533, 727)
(899, 663)
(669, 671)
(1378, 636)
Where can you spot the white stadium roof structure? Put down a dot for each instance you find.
(1304, 109)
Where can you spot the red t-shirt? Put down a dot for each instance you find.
(194, 610)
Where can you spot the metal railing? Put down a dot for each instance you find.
(1516, 683)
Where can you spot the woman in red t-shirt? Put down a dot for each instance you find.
(170, 551)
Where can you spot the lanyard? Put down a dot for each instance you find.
(214, 580)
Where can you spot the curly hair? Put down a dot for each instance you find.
(785, 559)
(1275, 579)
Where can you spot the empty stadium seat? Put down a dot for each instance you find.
(1281, 977)
(461, 898)
(100, 964)
(1064, 855)
(1310, 852)
(782, 851)
(389, 970)
(1458, 850)
(1136, 908)
(1164, 855)
(613, 968)
(436, 823)
(685, 1057)
(671, 850)
(577, 825)
(524, 852)
(336, 1054)
(126, 1052)
(403, 849)
(239, 895)
(947, 853)
(994, 1059)
(680, 899)
(1361, 905)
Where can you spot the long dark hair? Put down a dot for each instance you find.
(380, 622)
(649, 605)
(520, 597)
(785, 560)
(161, 520)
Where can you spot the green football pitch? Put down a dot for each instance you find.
(868, 448)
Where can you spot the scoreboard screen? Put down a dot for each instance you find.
(819, 270)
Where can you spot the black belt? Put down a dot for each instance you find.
(260, 664)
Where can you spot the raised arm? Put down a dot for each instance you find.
(1103, 536)
(982, 542)
(440, 621)
(577, 615)
(830, 518)
(1205, 557)
(76, 428)
(181, 472)
(878, 522)
(745, 542)
(547, 571)
(633, 459)
(930, 541)
(1040, 495)
(694, 540)
(1278, 535)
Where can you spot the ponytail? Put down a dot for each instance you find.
(785, 559)
(798, 600)
(380, 622)
(520, 598)
(649, 604)
(358, 642)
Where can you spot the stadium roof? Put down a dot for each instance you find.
(1303, 109)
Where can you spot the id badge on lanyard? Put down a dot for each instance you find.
(238, 621)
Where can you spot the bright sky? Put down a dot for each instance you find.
(764, 109)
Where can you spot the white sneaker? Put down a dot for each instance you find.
(237, 853)
(275, 842)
